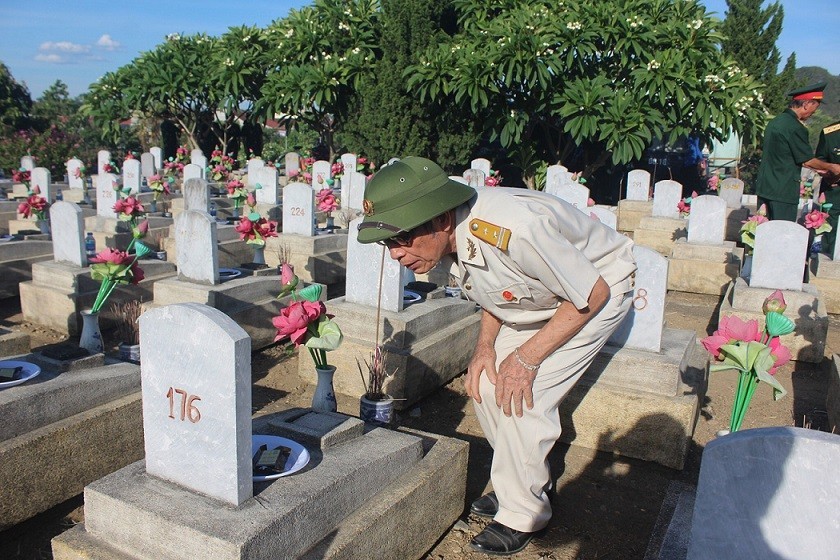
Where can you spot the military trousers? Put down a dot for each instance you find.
(520, 471)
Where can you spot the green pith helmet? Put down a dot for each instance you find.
(406, 194)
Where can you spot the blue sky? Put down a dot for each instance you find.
(77, 41)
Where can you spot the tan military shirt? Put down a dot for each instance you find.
(554, 253)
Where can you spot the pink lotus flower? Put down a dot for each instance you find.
(233, 185)
(779, 352)
(683, 208)
(34, 205)
(775, 302)
(821, 199)
(293, 173)
(77, 173)
(757, 218)
(112, 256)
(491, 181)
(815, 219)
(762, 210)
(731, 329)
(251, 200)
(590, 202)
(287, 274)
(307, 177)
(337, 168)
(36, 190)
(246, 229)
(713, 182)
(594, 216)
(129, 206)
(326, 200)
(294, 320)
(266, 228)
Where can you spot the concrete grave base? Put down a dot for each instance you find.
(23, 226)
(631, 212)
(354, 501)
(825, 275)
(73, 195)
(639, 404)
(232, 251)
(660, 234)
(62, 431)
(832, 399)
(16, 261)
(321, 258)
(111, 232)
(427, 344)
(13, 343)
(8, 212)
(703, 269)
(250, 301)
(806, 309)
(59, 291)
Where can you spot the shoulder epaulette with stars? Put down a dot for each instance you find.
(490, 233)
(832, 128)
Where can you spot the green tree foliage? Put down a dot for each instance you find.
(15, 101)
(317, 57)
(750, 33)
(390, 120)
(604, 77)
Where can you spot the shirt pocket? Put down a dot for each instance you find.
(510, 295)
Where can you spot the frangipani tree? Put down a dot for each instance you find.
(317, 55)
(607, 76)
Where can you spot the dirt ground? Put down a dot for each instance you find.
(605, 507)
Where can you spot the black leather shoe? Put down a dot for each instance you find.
(485, 506)
(499, 540)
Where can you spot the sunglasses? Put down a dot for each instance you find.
(402, 239)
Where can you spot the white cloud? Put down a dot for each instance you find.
(63, 46)
(107, 43)
(53, 58)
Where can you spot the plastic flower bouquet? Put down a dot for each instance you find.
(326, 201)
(306, 322)
(220, 165)
(494, 179)
(22, 176)
(160, 185)
(112, 267)
(35, 205)
(304, 174)
(255, 231)
(817, 219)
(749, 227)
(755, 354)
(237, 192)
(684, 205)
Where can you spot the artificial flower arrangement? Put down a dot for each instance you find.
(79, 172)
(755, 354)
(111, 167)
(305, 320)
(326, 201)
(35, 205)
(253, 228)
(161, 185)
(237, 192)
(494, 179)
(22, 176)
(712, 182)
(304, 174)
(684, 205)
(806, 186)
(749, 227)
(112, 267)
(817, 219)
(131, 210)
(220, 165)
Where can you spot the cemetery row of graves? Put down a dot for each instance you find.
(200, 265)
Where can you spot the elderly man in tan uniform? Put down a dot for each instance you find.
(553, 284)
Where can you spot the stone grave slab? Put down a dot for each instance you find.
(132, 178)
(767, 493)
(103, 158)
(475, 177)
(707, 220)
(482, 165)
(292, 160)
(67, 224)
(298, 209)
(660, 233)
(638, 185)
(321, 171)
(643, 326)
(254, 165)
(355, 190)
(196, 153)
(92, 415)
(704, 269)
(731, 190)
(148, 167)
(363, 272)
(631, 212)
(555, 175)
(666, 195)
(73, 165)
(805, 308)
(266, 178)
(575, 194)
(780, 255)
(16, 261)
(604, 215)
(197, 404)
(42, 178)
(193, 171)
(196, 195)
(27, 163)
(195, 234)
(349, 161)
(106, 194)
(157, 153)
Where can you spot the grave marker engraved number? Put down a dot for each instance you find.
(188, 409)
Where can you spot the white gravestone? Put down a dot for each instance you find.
(481, 164)
(731, 190)
(27, 163)
(604, 215)
(638, 185)
(459, 179)
(201, 162)
(363, 273)
(298, 209)
(355, 190)
(106, 195)
(475, 178)
(67, 224)
(131, 175)
(349, 162)
(42, 178)
(666, 195)
(707, 220)
(779, 257)
(157, 153)
(321, 171)
(836, 254)
(292, 160)
(254, 165)
(72, 166)
(193, 171)
(147, 165)
(196, 390)
(197, 154)
(555, 175)
(196, 239)
(266, 178)
(196, 195)
(575, 194)
(103, 157)
(643, 326)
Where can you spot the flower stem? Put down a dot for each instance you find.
(752, 383)
(735, 404)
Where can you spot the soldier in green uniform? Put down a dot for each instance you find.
(828, 149)
(786, 150)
